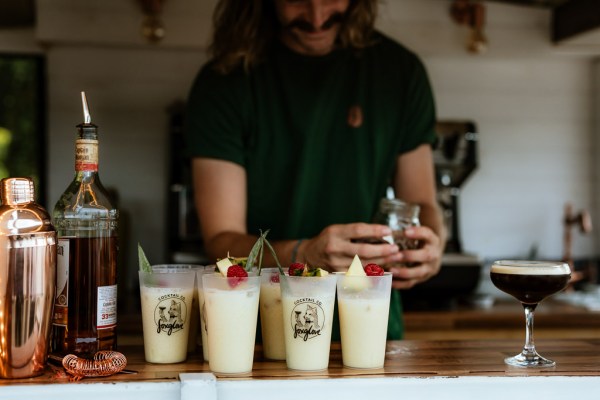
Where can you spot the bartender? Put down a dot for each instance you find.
(298, 123)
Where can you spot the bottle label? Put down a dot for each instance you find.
(107, 307)
(86, 155)
(61, 300)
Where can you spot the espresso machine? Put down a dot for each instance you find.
(455, 159)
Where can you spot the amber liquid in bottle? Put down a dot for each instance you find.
(92, 264)
(85, 308)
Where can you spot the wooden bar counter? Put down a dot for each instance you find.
(450, 354)
(421, 369)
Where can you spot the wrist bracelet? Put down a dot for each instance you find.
(295, 250)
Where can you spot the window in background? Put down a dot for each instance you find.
(22, 119)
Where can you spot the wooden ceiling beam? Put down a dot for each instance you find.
(574, 17)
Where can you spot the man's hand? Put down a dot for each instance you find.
(427, 258)
(336, 245)
(414, 182)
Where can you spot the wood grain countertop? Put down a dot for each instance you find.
(413, 368)
(443, 358)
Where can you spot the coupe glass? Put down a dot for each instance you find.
(530, 282)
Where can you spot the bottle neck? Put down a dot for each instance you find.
(86, 156)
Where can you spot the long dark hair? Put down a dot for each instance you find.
(244, 30)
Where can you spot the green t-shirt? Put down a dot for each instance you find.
(317, 136)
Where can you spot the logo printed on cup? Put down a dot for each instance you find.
(170, 313)
(308, 319)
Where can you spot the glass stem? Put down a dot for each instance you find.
(529, 347)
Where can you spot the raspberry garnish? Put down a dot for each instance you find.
(237, 273)
(296, 269)
(373, 270)
(275, 278)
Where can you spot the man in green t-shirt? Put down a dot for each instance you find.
(298, 124)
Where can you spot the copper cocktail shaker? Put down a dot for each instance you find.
(27, 280)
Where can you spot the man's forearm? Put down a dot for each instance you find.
(432, 217)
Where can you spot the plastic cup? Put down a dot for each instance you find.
(308, 304)
(364, 305)
(166, 298)
(193, 337)
(271, 315)
(231, 309)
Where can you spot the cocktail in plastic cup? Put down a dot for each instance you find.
(166, 299)
(231, 309)
(271, 315)
(364, 304)
(195, 314)
(308, 304)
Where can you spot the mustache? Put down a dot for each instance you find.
(303, 25)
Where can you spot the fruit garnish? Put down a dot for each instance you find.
(373, 270)
(314, 271)
(299, 269)
(223, 265)
(254, 259)
(228, 261)
(357, 278)
(275, 278)
(237, 273)
(241, 261)
(356, 268)
(296, 269)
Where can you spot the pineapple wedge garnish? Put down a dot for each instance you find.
(356, 268)
(223, 265)
(357, 277)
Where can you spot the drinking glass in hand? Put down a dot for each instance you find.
(398, 215)
(530, 282)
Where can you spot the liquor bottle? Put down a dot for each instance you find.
(85, 308)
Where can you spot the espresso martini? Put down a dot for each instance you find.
(530, 282)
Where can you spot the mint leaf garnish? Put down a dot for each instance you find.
(257, 252)
(143, 261)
